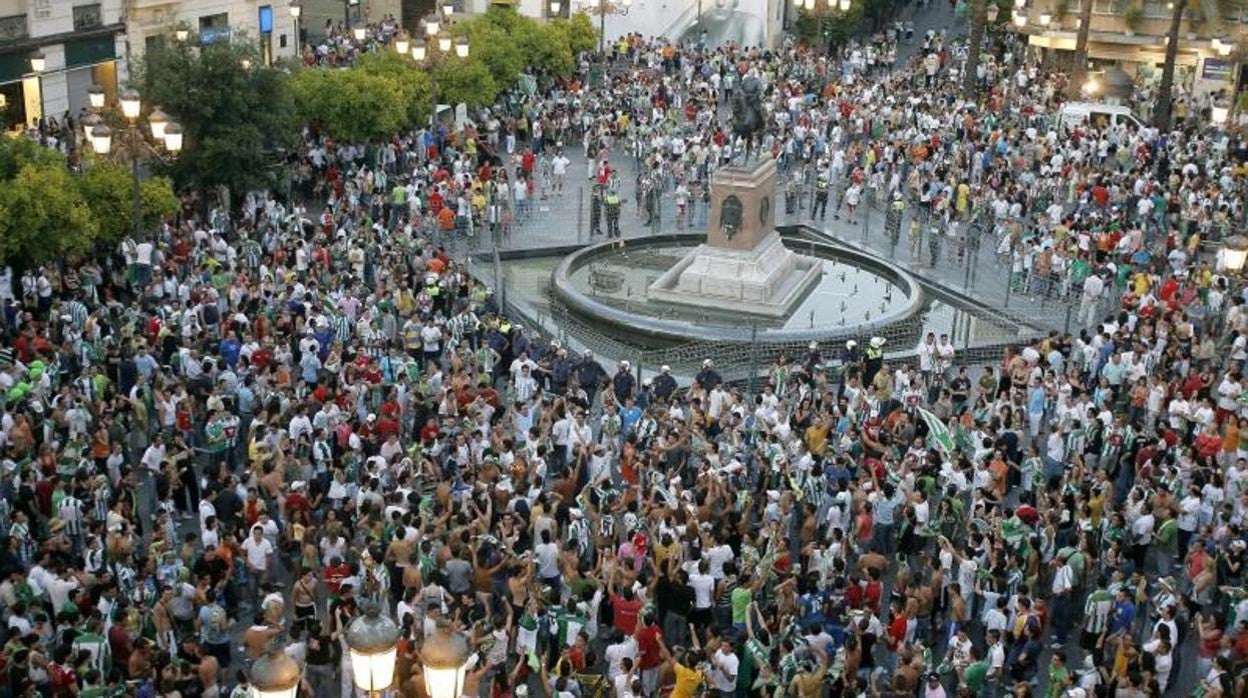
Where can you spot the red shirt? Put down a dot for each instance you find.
(648, 645)
(295, 502)
(334, 576)
(625, 613)
(897, 632)
(387, 426)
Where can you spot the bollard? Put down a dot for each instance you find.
(580, 214)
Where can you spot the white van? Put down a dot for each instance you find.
(1073, 114)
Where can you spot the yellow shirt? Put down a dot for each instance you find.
(687, 681)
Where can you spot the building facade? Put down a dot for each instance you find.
(85, 43)
(1132, 35)
(81, 43)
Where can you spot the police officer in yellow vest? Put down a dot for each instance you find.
(821, 197)
(612, 201)
(873, 359)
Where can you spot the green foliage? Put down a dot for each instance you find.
(409, 83)
(352, 105)
(107, 189)
(582, 34)
(45, 212)
(43, 216)
(235, 112)
(508, 43)
(829, 26)
(491, 45)
(468, 81)
(16, 153)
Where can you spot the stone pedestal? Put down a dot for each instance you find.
(743, 265)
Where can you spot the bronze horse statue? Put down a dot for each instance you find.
(747, 114)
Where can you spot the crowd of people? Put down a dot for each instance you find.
(244, 428)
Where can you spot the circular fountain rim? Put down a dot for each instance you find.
(665, 329)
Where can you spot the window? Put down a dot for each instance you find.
(13, 28)
(266, 19)
(87, 17)
(214, 28)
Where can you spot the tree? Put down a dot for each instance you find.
(44, 216)
(236, 113)
(106, 188)
(974, 43)
(491, 45)
(410, 84)
(352, 105)
(1202, 11)
(1080, 72)
(46, 212)
(582, 35)
(465, 80)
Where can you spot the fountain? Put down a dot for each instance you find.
(743, 262)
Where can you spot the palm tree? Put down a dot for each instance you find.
(1202, 11)
(980, 17)
(1079, 74)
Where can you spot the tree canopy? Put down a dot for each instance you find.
(47, 212)
(235, 112)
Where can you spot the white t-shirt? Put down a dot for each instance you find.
(258, 552)
(724, 674)
(703, 585)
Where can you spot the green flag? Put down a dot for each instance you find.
(938, 431)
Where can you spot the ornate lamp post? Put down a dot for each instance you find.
(602, 8)
(1234, 254)
(275, 675)
(444, 658)
(38, 64)
(164, 132)
(373, 640)
(435, 47)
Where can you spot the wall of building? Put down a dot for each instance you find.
(152, 19)
(80, 41)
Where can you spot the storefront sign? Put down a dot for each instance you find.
(1215, 69)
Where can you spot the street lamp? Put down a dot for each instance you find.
(438, 42)
(130, 104)
(1234, 253)
(96, 95)
(173, 137)
(448, 9)
(181, 34)
(1045, 19)
(38, 64)
(164, 132)
(360, 32)
(401, 43)
(158, 121)
(602, 8)
(102, 139)
(373, 641)
(275, 675)
(992, 12)
(89, 122)
(444, 658)
(555, 7)
(1020, 19)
